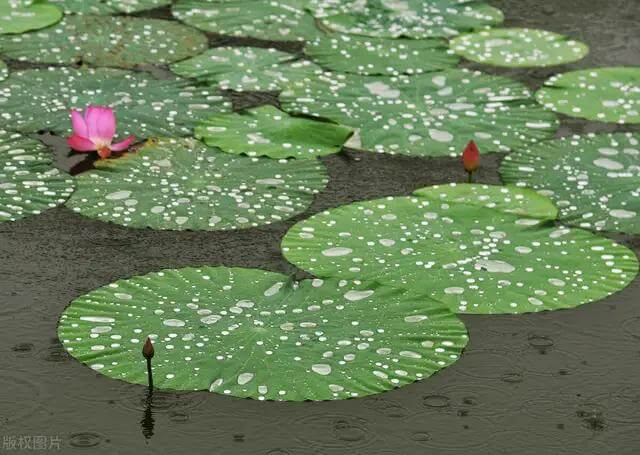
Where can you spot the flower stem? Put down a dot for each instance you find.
(149, 373)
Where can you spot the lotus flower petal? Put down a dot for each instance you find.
(123, 145)
(80, 144)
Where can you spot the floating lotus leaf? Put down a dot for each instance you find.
(181, 184)
(41, 99)
(28, 183)
(20, 17)
(267, 131)
(246, 69)
(594, 180)
(604, 94)
(428, 115)
(123, 42)
(4, 71)
(376, 56)
(108, 6)
(272, 20)
(410, 18)
(256, 334)
(491, 250)
(518, 47)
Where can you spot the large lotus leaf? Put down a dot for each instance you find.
(20, 17)
(41, 99)
(477, 257)
(246, 69)
(257, 334)
(267, 131)
(604, 94)
(594, 180)
(182, 184)
(434, 114)
(108, 6)
(122, 42)
(377, 56)
(519, 47)
(272, 20)
(4, 71)
(28, 183)
(409, 18)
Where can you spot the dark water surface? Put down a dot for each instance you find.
(566, 382)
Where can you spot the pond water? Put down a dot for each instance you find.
(555, 382)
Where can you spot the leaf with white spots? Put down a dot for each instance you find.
(28, 183)
(122, 42)
(107, 6)
(378, 56)
(267, 131)
(41, 99)
(275, 20)
(19, 17)
(4, 70)
(594, 179)
(181, 184)
(433, 114)
(602, 94)
(491, 250)
(245, 68)
(306, 341)
(415, 19)
(518, 47)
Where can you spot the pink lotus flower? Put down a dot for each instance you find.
(95, 132)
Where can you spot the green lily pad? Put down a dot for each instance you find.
(108, 6)
(182, 184)
(20, 17)
(34, 100)
(123, 42)
(519, 47)
(273, 20)
(267, 131)
(410, 18)
(28, 182)
(483, 252)
(378, 56)
(256, 334)
(4, 70)
(246, 69)
(434, 114)
(604, 94)
(593, 179)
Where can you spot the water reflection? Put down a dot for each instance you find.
(147, 423)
